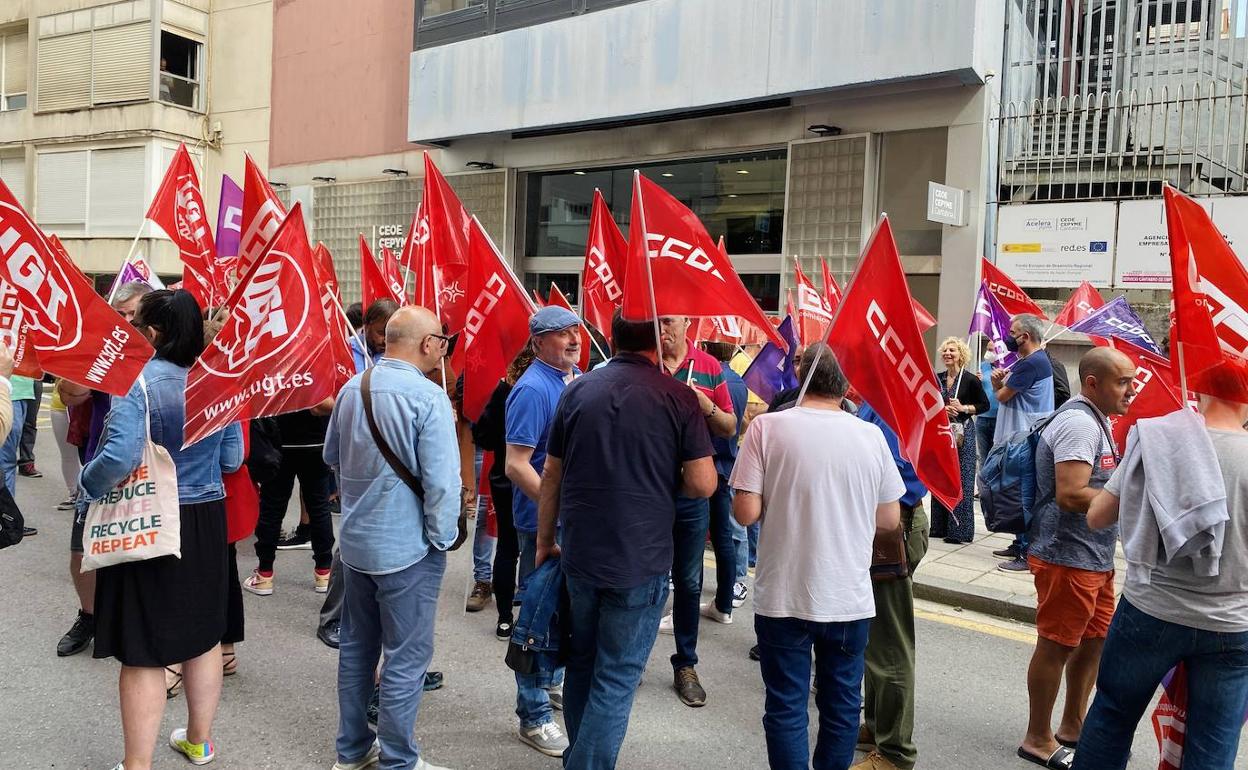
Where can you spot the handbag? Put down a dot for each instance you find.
(138, 519)
(397, 465)
(888, 551)
(958, 427)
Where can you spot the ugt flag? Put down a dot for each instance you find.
(270, 357)
(262, 213)
(178, 209)
(1116, 318)
(75, 333)
(335, 321)
(772, 369)
(606, 254)
(876, 338)
(991, 320)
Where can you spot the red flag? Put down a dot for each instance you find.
(75, 333)
(178, 209)
(331, 303)
(1012, 298)
(270, 357)
(813, 313)
(537, 297)
(921, 316)
(674, 268)
(730, 329)
(876, 338)
(15, 333)
(390, 271)
(1154, 395)
(831, 292)
(789, 310)
(448, 245)
(606, 255)
(1209, 323)
(496, 325)
(414, 260)
(556, 298)
(262, 213)
(1083, 301)
(373, 283)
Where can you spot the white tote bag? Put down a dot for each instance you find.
(138, 519)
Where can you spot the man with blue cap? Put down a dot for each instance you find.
(556, 342)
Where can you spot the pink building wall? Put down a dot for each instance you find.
(340, 79)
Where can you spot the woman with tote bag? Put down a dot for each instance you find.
(159, 611)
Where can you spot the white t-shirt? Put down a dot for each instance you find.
(821, 475)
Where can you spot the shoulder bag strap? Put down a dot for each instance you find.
(392, 459)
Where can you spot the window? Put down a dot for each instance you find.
(568, 283)
(13, 172)
(179, 70)
(739, 197)
(13, 66)
(96, 56)
(94, 192)
(439, 7)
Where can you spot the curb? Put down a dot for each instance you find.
(989, 601)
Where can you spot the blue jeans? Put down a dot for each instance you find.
(723, 541)
(613, 632)
(532, 690)
(8, 454)
(392, 614)
(482, 541)
(752, 533)
(693, 516)
(1139, 650)
(784, 647)
(741, 544)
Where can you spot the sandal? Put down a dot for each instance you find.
(172, 688)
(1061, 759)
(229, 664)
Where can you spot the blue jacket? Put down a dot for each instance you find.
(120, 449)
(537, 638)
(385, 528)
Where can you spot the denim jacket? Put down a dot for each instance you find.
(121, 446)
(385, 528)
(537, 638)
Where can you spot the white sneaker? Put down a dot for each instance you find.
(368, 760)
(666, 625)
(709, 611)
(421, 764)
(547, 738)
(739, 593)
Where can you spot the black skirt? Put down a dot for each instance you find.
(168, 610)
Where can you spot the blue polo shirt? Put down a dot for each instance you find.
(726, 448)
(530, 408)
(915, 490)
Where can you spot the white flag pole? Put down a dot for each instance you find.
(654, 303)
(133, 245)
(368, 359)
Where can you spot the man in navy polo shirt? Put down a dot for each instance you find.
(556, 342)
(624, 442)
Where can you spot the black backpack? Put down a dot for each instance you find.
(11, 522)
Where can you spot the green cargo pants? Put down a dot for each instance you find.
(889, 680)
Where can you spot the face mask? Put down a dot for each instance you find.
(990, 357)
(1011, 343)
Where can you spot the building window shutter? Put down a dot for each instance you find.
(116, 190)
(15, 64)
(13, 172)
(64, 72)
(60, 200)
(121, 64)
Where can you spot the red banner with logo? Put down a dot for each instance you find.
(1154, 394)
(16, 335)
(262, 213)
(557, 298)
(270, 357)
(606, 257)
(813, 312)
(178, 209)
(390, 271)
(876, 338)
(75, 333)
(496, 321)
(373, 283)
(831, 291)
(448, 224)
(1011, 297)
(415, 262)
(331, 305)
(675, 268)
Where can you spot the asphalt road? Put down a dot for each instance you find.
(280, 710)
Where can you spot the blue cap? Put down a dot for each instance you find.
(552, 318)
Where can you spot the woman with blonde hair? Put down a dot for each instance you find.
(964, 398)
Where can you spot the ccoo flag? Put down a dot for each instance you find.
(1008, 293)
(991, 320)
(772, 369)
(1116, 318)
(606, 254)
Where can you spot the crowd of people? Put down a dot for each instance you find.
(605, 487)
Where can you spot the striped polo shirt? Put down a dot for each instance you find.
(708, 376)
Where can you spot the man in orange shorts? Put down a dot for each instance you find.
(1072, 564)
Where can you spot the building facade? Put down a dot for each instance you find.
(96, 96)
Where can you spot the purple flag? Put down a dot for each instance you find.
(772, 370)
(229, 218)
(991, 320)
(1116, 318)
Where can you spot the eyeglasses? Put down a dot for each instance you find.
(445, 339)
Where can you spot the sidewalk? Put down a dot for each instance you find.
(967, 576)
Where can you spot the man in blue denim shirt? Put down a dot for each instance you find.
(556, 342)
(392, 544)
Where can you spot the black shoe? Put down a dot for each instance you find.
(688, 688)
(502, 631)
(754, 653)
(78, 637)
(374, 705)
(433, 680)
(29, 471)
(297, 540)
(1017, 564)
(66, 505)
(328, 635)
(1009, 552)
(29, 531)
